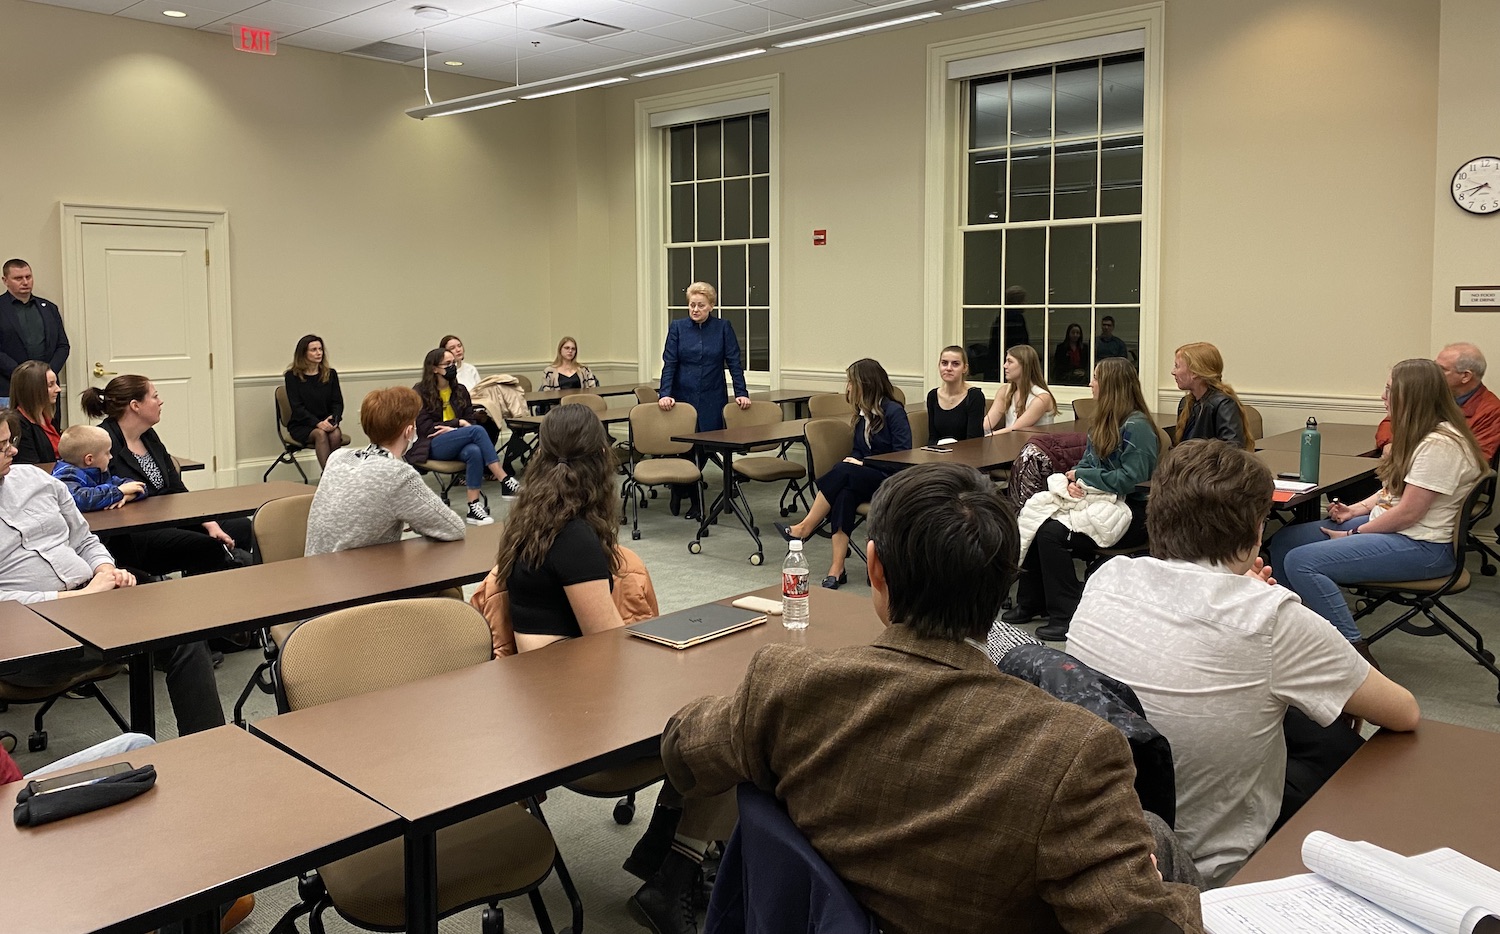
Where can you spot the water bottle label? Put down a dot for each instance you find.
(794, 585)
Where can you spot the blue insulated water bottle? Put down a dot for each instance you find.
(1312, 450)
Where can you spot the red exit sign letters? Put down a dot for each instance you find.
(253, 39)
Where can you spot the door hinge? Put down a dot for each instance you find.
(210, 360)
(205, 257)
(216, 463)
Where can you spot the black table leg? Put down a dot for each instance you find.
(421, 883)
(142, 695)
(727, 500)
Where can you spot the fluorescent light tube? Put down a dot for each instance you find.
(465, 109)
(856, 30)
(700, 63)
(979, 3)
(572, 87)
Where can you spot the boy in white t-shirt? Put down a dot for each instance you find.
(1218, 654)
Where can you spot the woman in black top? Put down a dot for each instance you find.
(131, 408)
(1070, 362)
(1209, 407)
(557, 554)
(312, 387)
(33, 396)
(955, 410)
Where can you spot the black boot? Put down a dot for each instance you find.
(651, 849)
(665, 904)
(676, 504)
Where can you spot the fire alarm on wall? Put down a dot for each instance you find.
(820, 238)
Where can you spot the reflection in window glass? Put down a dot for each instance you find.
(991, 114)
(710, 210)
(682, 213)
(1120, 168)
(1078, 99)
(737, 209)
(1070, 272)
(1074, 193)
(1030, 183)
(1069, 364)
(1124, 94)
(733, 284)
(736, 146)
(1031, 107)
(1119, 334)
(983, 284)
(710, 151)
(1118, 267)
(1026, 265)
(987, 187)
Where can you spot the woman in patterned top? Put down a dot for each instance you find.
(131, 407)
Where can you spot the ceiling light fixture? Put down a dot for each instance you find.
(856, 30)
(425, 11)
(452, 64)
(175, 14)
(573, 87)
(979, 3)
(699, 64)
(450, 111)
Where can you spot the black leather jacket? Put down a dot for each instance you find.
(1214, 416)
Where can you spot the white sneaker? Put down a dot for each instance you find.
(478, 515)
(510, 488)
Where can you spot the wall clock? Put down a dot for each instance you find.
(1476, 185)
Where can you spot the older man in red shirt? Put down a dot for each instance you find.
(1463, 366)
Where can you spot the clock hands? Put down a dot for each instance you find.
(1477, 188)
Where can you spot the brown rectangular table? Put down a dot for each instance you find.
(1337, 438)
(542, 398)
(983, 454)
(172, 509)
(26, 639)
(1334, 473)
(564, 712)
(228, 815)
(187, 463)
(131, 623)
(796, 398)
(1408, 792)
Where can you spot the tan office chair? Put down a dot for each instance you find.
(651, 431)
(1424, 596)
(499, 854)
(289, 445)
(524, 382)
(829, 404)
(829, 441)
(918, 422)
(898, 395)
(84, 682)
(596, 403)
(448, 475)
(1484, 506)
(766, 469)
(1254, 425)
(280, 529)
(1083, 408)
(644, 393)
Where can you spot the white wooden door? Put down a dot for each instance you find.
(145, 292)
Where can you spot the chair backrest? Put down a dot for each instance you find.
(1485, 504)
(280, 528)
(283, 416)
(644, 393)
(651, 428)
(1465, 524)
(759, 413)
(829, 440)
(1083, 408)
(379, 645)
(523, 381)
(594, 402)
(1254, 424)
(898, 395)
(1163, 443)
(825, 404)
(918, 422)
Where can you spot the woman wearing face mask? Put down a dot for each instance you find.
(446, 431)
(366, 496)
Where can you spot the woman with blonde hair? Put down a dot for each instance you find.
(566, 372)
(1209, 407)
(1121, 454)
(1404, 531)
(880, 427)
(33, 395)
(1026, 399)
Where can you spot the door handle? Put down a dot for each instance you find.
(101, 372)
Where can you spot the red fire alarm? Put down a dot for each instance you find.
(820, 238)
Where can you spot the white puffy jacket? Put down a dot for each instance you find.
(1102, 516)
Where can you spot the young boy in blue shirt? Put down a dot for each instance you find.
(83, 454)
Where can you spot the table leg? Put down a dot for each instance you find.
(727, 500)
(203, 923)
(421, 883)
(142, 695)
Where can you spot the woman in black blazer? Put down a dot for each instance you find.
(33, 396)
(131, 408)
(312, 389)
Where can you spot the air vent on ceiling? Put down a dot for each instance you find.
(388, 52)
(581, 29)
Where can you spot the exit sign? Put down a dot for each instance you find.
(253, 39)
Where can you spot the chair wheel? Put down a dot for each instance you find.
(624, 811)
(1488, 656)
(785, 513)
(492, 921)
(757, 559)
(653, 493)
(635, 536)
(1488, 570)
(37, 741)
(695, 548)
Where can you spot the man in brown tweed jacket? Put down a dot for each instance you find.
(948, 796)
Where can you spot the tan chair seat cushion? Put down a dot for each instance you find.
(863, 509)
(491, 855)
(767, 469)
(279, 634)
(444, 466)
(21, 694)
(622, 779)
(1425, 586)
(666, 470)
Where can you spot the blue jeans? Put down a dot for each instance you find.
(468, 444)
(1314, 565)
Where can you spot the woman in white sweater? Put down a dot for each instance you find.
(367, 496)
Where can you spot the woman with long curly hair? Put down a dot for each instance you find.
(447, 430)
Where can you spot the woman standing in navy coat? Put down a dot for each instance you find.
(698, 349)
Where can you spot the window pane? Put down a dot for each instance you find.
(760, 207)
(1124, 93)
(1069, 364)
(1075, 190)
(732, 285)
(758, 356)
(1071, 265)
(710, 159)
(760, 274)
(676, 314)
(705, 266)
(710, 216)
(1025, 326)
(1078, 99)
(679, 274)
(1124, 334)
(1026, 266)
(736, 146)
(760, 143)
(987, 187)
(736, 318)
(682, 153)
(1031, 106)
(982, 281)
(737, 209)
(682, 213)
(1030, 183)
(1118, 264)
(1120, 170)
(981, 341)
(987, 113)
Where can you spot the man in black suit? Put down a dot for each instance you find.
(31, 328)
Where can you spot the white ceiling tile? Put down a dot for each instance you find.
(284, 17)
(435, 42)
(223, 6)
(323, 40)
(91, 6)
(597, 10)
(749, 19)
(341, 7)
(473, 28)
(520, 15)
(381, 22)
(693, 31)
(633, 16)
(587, 56)
(690, 8)
(810, 9)
(151, 12)
(641, 43)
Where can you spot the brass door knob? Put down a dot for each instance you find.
(101, 372)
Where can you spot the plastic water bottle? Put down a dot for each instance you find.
(1312, 450)
(794, 580)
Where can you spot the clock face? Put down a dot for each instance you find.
(1476, 185)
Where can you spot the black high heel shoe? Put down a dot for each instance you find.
(834, 583)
